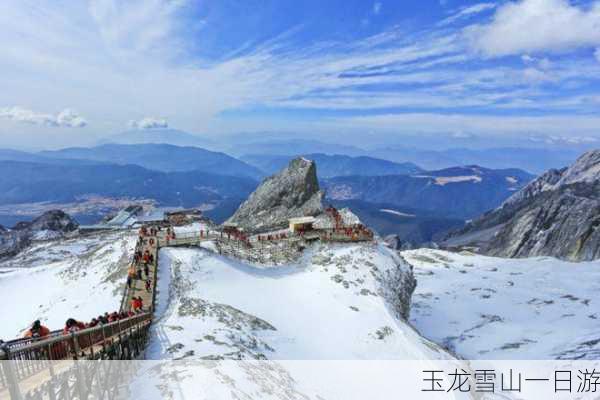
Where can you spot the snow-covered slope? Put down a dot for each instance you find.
(55, 280)
(340, 302)
(494, 308)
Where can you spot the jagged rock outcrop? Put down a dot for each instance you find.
(294, 192)
(50, 225)
(558, 214)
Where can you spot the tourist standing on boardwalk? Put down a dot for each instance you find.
(37, 330)
(73, 325)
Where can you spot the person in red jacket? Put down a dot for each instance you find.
(72, 326)
(37, 330)
(137, 304)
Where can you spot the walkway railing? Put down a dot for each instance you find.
(73, 345)
(26, 356)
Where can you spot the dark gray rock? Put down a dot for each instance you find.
(55, 221)
(558, 214)
(395, 243)
(50, 225)
(294, 192)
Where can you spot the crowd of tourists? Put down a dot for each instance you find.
(39, 331)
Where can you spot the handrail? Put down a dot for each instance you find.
(13, 349)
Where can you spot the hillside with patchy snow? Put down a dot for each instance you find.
(54, 280)
(494, 308)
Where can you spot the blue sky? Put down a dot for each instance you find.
(72, 73)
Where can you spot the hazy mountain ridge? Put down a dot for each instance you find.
(158, 136)
(23, 182)
(533, 160)
(413, 226)
(334, 165)
(460, 192)
(161, 157)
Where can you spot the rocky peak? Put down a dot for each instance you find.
(54, 220)
(50, 225)
(294, 192)
(586, 170)
(557, 214)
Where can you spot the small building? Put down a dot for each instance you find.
(301, 224)
(126, 217)
(183, 217)
(154, 217)
(232, 227)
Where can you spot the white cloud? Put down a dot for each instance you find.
(537, 26)
(377, 7)
(463, 135)
(467, 12)
(66, 118)
(149, 123)
(70, 118)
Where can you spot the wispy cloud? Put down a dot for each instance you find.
(467, 12)
(377, 7)
(149, 123)
(66, 118)
(116, 59)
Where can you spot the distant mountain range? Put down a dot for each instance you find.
(414, 226)
(159, 136)
(459, 192)
(24, 182)
(160, 157)
(189, 176)
(290, 147)
(334, 165)
(534, 160)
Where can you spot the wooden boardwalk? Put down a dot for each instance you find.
(138, 286)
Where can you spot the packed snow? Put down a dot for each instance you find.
(398, 213)
(55, 280)
(332, 305)
(494, 308)
(444, 180)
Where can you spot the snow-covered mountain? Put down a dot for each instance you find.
(339, 302)
(557, 215)
(495, 308)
